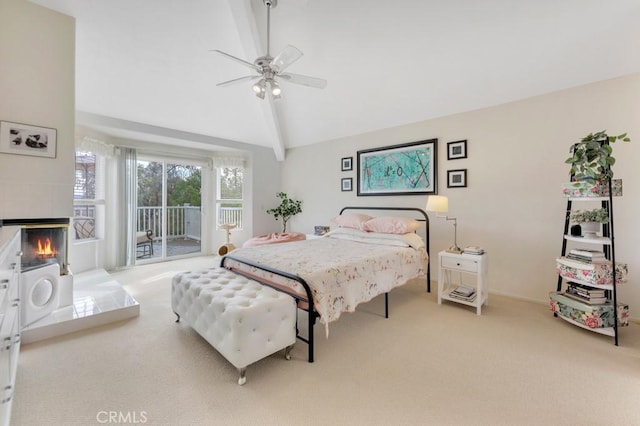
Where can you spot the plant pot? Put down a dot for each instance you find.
(590, 229)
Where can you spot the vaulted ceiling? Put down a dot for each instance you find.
(145, 69)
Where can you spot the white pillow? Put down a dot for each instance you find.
(398, 240)
(391, 225)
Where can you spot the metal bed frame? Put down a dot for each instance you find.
(310, 309)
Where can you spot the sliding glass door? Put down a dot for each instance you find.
(169, 210)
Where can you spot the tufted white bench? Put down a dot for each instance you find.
(242, 319)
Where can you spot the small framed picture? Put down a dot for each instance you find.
(457, 178)
(457, 149)
(24, 139)
(346, 184)
(347, 164)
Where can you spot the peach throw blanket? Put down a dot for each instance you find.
(274, 238)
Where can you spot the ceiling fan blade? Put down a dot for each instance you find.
(241, 61)
(239, 80)
(305, 80)
(289, 55)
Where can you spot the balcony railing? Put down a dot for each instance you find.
(230, 215)
(182, 221)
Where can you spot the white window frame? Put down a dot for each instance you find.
(220, 200)
(98, 203)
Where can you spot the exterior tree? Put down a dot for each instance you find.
(183, 185)
(187, 190)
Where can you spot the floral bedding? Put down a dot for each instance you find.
(340, 273)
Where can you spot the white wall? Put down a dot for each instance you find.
(512, 205)
(37, 47)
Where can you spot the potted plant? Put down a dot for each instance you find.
(591, 158)
(286, 209)
(590, 220)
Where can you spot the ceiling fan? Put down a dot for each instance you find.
(270, 69)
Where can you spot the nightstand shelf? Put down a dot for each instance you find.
(453, 265)
(605, 241)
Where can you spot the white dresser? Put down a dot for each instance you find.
(10, 253)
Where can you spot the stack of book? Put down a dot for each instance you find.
(592, 296)
(473, 250)
(463, 293)
(588, 256)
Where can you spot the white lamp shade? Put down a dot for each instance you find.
(438, 204)
(275, 89)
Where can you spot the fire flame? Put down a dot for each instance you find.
(46, 249)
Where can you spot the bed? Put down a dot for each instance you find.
(348, 266)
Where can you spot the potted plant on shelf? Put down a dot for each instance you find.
(590, 220)
(591, 158)
(286, 209)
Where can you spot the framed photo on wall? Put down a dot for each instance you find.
(24, 139)
(347, 164)
(457, 178)
(406, 169)
(346, 184)
(457, 149)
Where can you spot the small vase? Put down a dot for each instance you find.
(590, 229)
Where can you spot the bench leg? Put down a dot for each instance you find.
(287, 352)
(243, 376)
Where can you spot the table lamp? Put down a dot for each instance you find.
(440, 204)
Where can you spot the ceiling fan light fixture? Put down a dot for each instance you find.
(268, 67)
(276, 91)
(260, 88)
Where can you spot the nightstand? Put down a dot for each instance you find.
(463, 264)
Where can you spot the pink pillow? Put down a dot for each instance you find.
(353, 220)
(391, 225)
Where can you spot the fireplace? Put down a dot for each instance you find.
(44, 245)
(44, 241)
(46, 283)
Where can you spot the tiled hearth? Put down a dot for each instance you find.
(97, 299)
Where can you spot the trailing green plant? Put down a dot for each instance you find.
(286, 209)
(591, 158)
(595, 215)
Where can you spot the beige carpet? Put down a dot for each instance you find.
(425, 365)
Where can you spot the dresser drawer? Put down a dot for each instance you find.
(460, 264)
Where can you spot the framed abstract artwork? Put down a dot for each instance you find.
(406, 169)
(457, 149)
(24, 139)
(457, 178)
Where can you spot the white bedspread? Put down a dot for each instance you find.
(341, 273)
